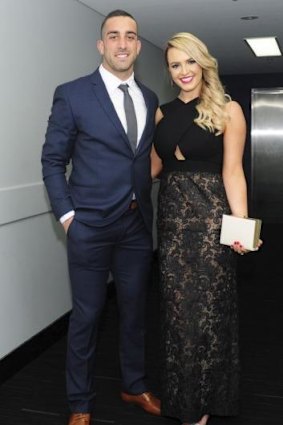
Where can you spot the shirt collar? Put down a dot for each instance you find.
(112, 82)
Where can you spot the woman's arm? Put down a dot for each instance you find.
(156, 163)
(233, 173)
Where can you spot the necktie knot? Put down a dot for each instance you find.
(132, 126)
(124, 88)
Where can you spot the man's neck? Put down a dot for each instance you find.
(122, 75)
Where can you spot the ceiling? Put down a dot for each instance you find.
(216, 22)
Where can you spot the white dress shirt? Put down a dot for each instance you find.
(117, 98)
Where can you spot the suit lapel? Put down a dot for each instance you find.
(106, 104)
(103, 98)
(149, 112)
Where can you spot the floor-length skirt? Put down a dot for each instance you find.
(199, 314)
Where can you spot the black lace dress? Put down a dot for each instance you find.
(199, 319)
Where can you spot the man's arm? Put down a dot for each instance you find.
(57, 152)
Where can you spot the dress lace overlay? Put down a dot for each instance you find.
(198, 299)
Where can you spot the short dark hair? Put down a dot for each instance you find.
(117, 12)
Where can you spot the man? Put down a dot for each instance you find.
(105, 208)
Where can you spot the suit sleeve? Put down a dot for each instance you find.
(57, 152)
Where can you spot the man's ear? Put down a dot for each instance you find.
(100, 46)
(138, 46)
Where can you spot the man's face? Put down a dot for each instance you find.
(119, 46)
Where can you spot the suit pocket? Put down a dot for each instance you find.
(70, 228)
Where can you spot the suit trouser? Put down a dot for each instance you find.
(125, 249)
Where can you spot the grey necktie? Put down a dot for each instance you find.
(132, 127)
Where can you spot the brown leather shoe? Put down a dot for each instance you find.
(147, 401)
(79, 419)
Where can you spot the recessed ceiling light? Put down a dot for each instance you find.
(264, 46)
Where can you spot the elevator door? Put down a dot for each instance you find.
(267, 154)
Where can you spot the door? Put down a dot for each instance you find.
(267, 154)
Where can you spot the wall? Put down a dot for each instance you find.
(42, 43)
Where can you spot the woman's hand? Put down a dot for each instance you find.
(240, 249)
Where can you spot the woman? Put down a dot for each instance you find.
(199, 145)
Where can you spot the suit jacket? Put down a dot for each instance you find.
(84, 128)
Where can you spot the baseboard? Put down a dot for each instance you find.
(31, 349)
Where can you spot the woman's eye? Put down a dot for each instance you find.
(191, 61)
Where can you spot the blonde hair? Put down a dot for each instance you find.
(211, 108)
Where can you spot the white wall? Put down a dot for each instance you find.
(42, 43)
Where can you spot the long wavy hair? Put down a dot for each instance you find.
(211, 107)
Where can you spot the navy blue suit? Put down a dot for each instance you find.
(105, 234)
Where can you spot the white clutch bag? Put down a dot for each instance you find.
(244, 230)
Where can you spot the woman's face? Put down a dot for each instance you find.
(185, 72)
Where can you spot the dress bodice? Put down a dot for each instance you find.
(202, 149)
